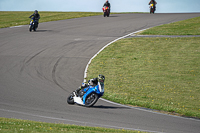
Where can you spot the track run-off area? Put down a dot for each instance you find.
(38, 70)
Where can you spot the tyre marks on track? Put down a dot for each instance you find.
(29, 60)
(54, 74)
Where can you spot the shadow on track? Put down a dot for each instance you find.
(113, 16)
(43, 30)
(108, 107)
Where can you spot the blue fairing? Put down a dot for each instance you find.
(90, 90)
(33, 21)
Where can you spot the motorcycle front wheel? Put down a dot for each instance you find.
(152, 10)
(30, 28)
(104, 14)
(108, 14)
(70, 99)
(91, 100)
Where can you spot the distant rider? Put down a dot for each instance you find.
(93, 82)
(107, 4)
(35, 16)
(154, 4)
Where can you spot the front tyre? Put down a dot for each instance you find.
(152, 10)
(30, 28)
(70, 99)
(104, 14)
(108, 14)
(91, 100)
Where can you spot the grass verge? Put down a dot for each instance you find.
(16, 125)
(185, 27)
(9, 19)
(156, 73)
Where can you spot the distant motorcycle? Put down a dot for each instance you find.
(152, 8)
(33, 25)
(106, 11)
(87, 96)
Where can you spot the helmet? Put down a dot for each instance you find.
(36, 12)
(101, 78)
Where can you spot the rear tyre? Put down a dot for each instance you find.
(70, 99)
(91, 100)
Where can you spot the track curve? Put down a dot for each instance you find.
(39, 69)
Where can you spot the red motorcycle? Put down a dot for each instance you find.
(106, 11)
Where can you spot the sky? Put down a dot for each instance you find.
(163, 6)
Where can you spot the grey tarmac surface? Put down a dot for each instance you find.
(38, 70)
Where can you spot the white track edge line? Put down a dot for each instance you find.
(85, 75)
(85, 72)
(75, 121)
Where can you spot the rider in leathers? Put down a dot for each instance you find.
(107, 4)
(154, 4)
(93, 82)
(36, 17)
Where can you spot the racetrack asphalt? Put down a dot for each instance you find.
(38, 70)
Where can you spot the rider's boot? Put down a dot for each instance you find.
(77, 90)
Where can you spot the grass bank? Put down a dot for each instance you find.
(8, 19)
(25, 126)
(156, 73)
(185, 27)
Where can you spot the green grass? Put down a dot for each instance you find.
(186, 27)
(26, 126)
(8, 19)
(156, 73)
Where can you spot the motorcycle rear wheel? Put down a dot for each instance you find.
(91, 100)
(70, 99)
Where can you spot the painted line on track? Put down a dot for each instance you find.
(17, 26)
(149, 110)
(85, 75)
(75, 121)
(138, 108)
(85, 72)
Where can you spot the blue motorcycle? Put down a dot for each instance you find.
(33, 24)
(87, 96)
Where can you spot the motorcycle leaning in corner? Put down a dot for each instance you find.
(33, 24)
(88, 94)
(106, 11)
(86, 97)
